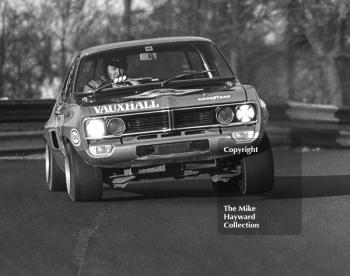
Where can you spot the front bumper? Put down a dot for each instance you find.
(124, 152)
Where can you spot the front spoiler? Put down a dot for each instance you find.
(125, 156)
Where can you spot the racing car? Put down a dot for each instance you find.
(177, 111)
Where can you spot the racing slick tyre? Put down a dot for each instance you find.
(84, 182)
(257, 171)
(54, 175)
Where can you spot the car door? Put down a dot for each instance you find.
(61, 110)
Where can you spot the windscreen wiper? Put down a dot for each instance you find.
(107, 84)
(88, 92)
(190, 74)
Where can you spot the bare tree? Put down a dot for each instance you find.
(127, 22)
(324, 26)
(68, 20)
(3, 38)
(290, 55)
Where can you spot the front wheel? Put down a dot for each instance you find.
(257, 170)
(54, 175)
(84, 182)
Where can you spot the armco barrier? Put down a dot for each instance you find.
(22, 122)
(319, 125)
(21, 126)
(25, 110)
(278, 125)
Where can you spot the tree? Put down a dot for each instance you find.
(323, 24)
(3, 39)
(127, 22)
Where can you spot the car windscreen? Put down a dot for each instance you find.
(156, 63)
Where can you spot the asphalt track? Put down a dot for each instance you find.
(170, 227)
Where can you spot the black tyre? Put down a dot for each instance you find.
(55, 178)
(84, 182)
(258, 170)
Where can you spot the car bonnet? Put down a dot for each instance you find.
(166, 98)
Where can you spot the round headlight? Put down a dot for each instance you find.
(245, 113)
(116, 126)
(95, 128)
(224, 115)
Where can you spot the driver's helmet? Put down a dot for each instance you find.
(117, 61)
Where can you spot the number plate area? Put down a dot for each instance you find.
(172, 148)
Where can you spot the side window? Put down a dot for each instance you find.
(68, 86)
(91, 68)
(195, 61)
(216, 62)
(86, 73)
(59, 99)
(64, 88)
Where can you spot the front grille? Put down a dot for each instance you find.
(170, 148)
(146, 122)
(180, 120)
(194, 117)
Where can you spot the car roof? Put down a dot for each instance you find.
(140, 42)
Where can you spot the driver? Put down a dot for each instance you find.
(116, 69)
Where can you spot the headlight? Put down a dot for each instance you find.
(225, 115)
(95, 128)
(116, 126)
(245, 113)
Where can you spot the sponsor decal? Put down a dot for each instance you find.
(148, 56)
(121, 107)
(214, 98)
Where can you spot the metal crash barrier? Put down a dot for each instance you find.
(21, 126)
(316, 125)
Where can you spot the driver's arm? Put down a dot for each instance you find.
(93, 84)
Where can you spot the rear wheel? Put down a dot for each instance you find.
(257, 170)
(55, 179)
(84, 182)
